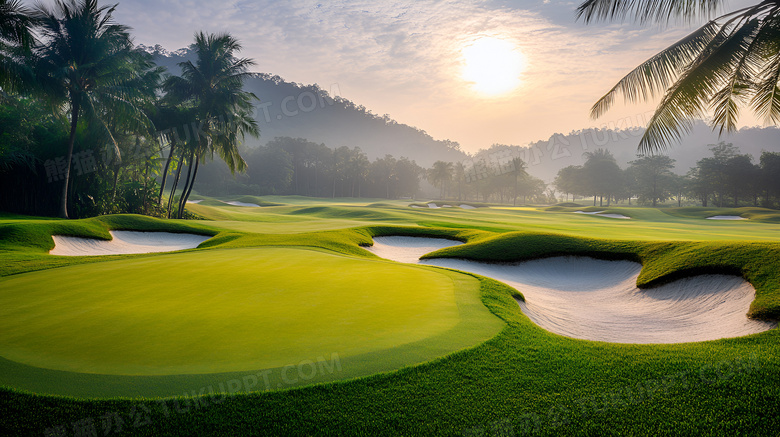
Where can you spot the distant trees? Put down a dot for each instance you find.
(726, 178)
(297, 166)
(568, 181)
(651, 178)
(727, 175)
(769, 179)
(440, 175)
(600, 176)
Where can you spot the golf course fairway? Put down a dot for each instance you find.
(283, 323)
(246, 309)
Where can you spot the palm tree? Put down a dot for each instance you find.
(171, 121)
(729, 63)
(86, 61)
(16, 40)
(440, 174)
(15, 23)
(213, 86)
(519, 167)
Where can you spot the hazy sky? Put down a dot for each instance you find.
(405, 58)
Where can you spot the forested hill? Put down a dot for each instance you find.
(307, 111)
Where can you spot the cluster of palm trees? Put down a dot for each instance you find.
(74, 56)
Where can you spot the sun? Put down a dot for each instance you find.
(492, 65)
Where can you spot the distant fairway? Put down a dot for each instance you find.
(680, 224)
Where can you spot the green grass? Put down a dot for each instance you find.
(313, 215)
(251, 309)
(523, 379)
(753, 213)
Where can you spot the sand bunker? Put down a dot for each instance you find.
(726, 217)
(408, 249)
(617, 216)
(468, 207)
(125, 242)
(235, 203)
(194, 201)
(598, 300)
(433, 206)
(601, 214)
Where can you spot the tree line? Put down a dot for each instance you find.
(727, 178)
(296, 166)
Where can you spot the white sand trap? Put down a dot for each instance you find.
(726, 217)
(125, 242)
(601, 214)
(194, 201)
(235, 203)
(416, 206)
(598, 300)
(446, 206)
(407, 249)
(433, 206)
(617, 216)
(468, 207)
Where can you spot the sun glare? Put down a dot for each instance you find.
(492, 65)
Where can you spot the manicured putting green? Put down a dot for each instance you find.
(219, 311)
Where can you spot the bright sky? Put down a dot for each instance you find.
(476, 72)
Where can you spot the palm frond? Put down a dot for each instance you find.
(689, 97)
(657, 73)
(645, 11)
(727, 101)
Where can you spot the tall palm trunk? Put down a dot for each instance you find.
(173, 188)
(74, 119)
(165, 170)
(117, 169)
(180, 211)
(189, 190)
